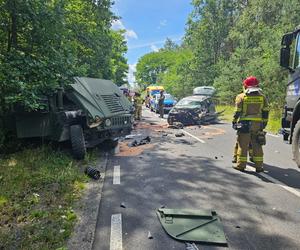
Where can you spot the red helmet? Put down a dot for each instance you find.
(250, 81)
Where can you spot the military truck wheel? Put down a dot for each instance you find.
(77, 142)
(296, 143)
(111, 143)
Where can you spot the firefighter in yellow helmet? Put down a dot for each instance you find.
(138, 103)
(250, 118)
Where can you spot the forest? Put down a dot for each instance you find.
(44, 43)
(224, 42)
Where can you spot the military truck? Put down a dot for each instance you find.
(290, 59)
(86, 113)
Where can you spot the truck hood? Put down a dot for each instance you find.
(99, 97)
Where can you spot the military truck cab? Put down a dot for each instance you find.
(290, 59)
(86, 113)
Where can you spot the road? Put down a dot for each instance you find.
(258, 211)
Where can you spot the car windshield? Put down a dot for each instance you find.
(156, 91)
(207, 91)
(168, 97)
(189, 102)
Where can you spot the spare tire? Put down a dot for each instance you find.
(77, 142)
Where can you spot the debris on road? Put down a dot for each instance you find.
(125, 150)
(150, 235)
(128, 137)
(192, 225)
(140, 142)
(176, 125)
(146, 125)
(180, 134)
(191, 246)
(123, 205)
(93, 173)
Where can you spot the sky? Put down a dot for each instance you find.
(148, 23)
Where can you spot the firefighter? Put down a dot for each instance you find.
(250, 118)
(138, 103)
(161, 104)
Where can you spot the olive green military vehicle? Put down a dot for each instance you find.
(86, 113)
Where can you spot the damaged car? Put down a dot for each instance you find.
(194, 110)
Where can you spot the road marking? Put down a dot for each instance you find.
(116, 232)
(195, 137)
(277, 182)
(277, 136)
(116, 177)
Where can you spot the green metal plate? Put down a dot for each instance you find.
(200, 226)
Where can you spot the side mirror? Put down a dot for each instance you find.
(287, 39)
(285, 57)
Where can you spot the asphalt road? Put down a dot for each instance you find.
(258, 211)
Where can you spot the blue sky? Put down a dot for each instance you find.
(148, 24)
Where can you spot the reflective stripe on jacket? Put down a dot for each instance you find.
(251, 107)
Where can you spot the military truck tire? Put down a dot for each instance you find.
(111, 143)
(77, 142)
(296, 143)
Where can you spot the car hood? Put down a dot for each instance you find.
(99, 97)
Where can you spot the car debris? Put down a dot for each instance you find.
(128, 137)
(179, 134)
(140, 142)
(191, 246)
(150, 235)
(189, 225)
(176, 125)
(93, 173)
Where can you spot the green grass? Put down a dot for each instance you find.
(274, 123)
(38, 189)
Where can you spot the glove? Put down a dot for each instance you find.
(234, 125)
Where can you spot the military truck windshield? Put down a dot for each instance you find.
(297, 53)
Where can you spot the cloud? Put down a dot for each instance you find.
(118, 25)
(162, 23)
(131, 73)
(130, 34)
(154, 47)
(143, 45)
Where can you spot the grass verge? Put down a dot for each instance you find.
(274, 123)
(38, 188)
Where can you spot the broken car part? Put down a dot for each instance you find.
(192, 225)
(93, 173)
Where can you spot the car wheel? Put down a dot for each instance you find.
(77, 142)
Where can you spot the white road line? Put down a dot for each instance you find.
(277, 136)
(116, 232)
(116, 177)
(277, 182)
(195, 137)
